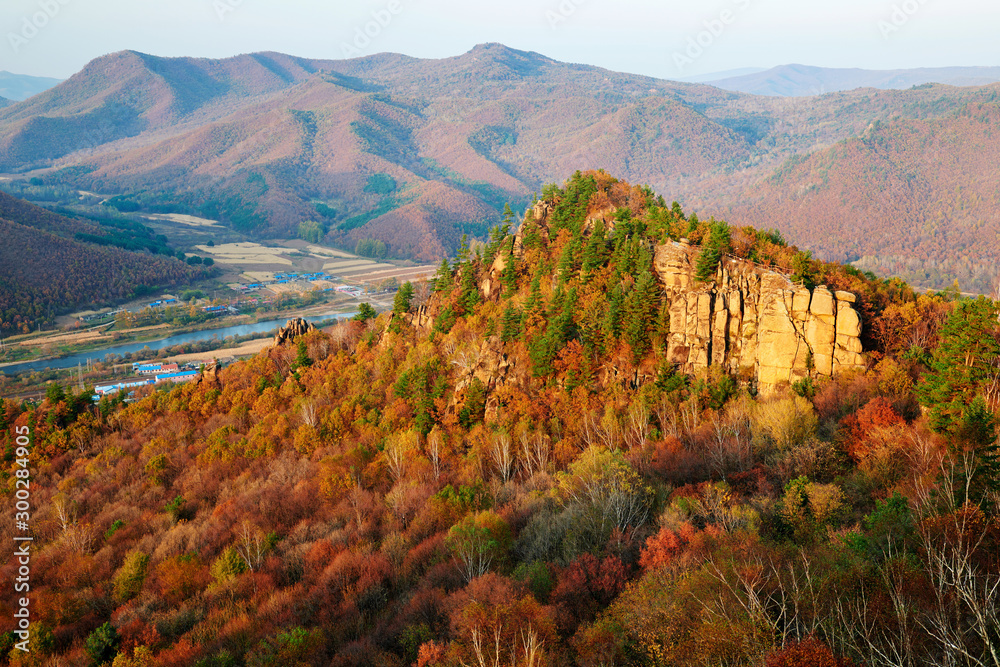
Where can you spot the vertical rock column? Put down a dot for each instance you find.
(848, 349)
(821, 330)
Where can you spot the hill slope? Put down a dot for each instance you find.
(507, 463)
(46, 270)
(914, 198)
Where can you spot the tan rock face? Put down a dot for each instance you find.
(755, 322)
(292, 330)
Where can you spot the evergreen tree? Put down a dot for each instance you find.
(712, 250)
(975, 435)
(469, 297)
(365, 312)
(567, 263)
(509, 275)
(595, 255)
(534, 309)
(641, 309)
(613, 320)
(965, 357)
(803, 270)
(443, 278)
(560, 330)
(463, 251)
(302, 355)
(511, 326)
(401, 304)
(498, 235)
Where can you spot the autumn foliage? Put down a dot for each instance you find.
(433, 492)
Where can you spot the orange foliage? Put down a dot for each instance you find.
(810, 652)
(865, 426)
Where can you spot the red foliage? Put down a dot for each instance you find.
(864, 425)
(675, 463)
(431, 654)
(810, 652)
(586, 586)
(663, 548)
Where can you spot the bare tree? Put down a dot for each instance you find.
(637, 425)
(501, 451)
(964, 616)
(535, 450)
(308, 412)
(251, 545)
(434, 444)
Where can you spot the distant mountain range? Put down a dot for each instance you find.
(4, 102)
(415, 152)
(19, 87)
(802, 80)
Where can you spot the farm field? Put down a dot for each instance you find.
(255, 263)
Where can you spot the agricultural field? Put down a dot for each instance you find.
(254, 263)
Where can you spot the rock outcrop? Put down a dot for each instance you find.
(493, 368)
(210, 375)
(420, 319)
(292, 330)
(755, 323)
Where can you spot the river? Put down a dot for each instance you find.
(74, 360)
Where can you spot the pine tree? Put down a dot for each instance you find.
(975, 435)
(641, 308)
(463, 251)
(803, 270)
(560, 330)
(613, 321)
(509, 275)
(962, 363)
(595, 255)
(401, 303)
(534, 309)
(443, 278)
(712, 250)
(567, 263)
(511, 327)
(470, 289)
(302, 355)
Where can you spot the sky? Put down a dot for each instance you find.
(669, 39)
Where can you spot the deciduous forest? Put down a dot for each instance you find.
(52, 264)
(504, 471)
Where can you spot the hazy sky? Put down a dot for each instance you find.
(662, 38)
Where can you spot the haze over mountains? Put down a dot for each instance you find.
(803, 80)
(17, 87)
(414, 152)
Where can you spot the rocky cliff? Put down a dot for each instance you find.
(755, 322)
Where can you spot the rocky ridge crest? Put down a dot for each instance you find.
(755, 322)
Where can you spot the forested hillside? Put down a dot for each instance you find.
(851, 201)
(505, 471)
(51, 264)
(416, 152)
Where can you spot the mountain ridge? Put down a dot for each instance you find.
(795, 80)
(18, 87)
(265, 141)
